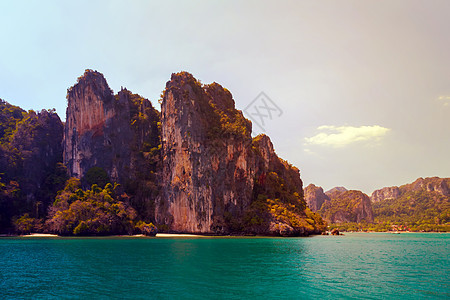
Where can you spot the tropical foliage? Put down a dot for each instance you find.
(143, 186)
(418, 210)
(279, 202)
(93, 212)
(30, 172)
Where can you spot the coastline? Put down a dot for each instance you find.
(39, 235)
(170, 235)
(191, 235)
(158, 235)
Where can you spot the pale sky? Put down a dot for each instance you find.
(363, 86)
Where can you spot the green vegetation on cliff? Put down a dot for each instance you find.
(97, 211)
(415, 211)
(30, 162)
(117, 135)
(219, 179)
(9, 116)
(420, 206)
(347, 206)
(220, 118)
(278, 201)
(226, 181)
(92, 212)
(143, 185)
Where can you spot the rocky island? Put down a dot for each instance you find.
(120, 166)
(423, 205)
(124, 167)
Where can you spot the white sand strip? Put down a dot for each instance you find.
(169, 235)
(40, 235)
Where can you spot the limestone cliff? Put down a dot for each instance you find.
(336, 190)
(392, 192)
(198, 170)
(278, 205)
(423, 205)
(315, 197)
(30, 153)
(347, 206)
(420, 205)
(89, 104)
(117, 133)
(38, 140)
(216, 178)
(205, 165)
(430, 184)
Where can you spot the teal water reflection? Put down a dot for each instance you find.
(354, 266)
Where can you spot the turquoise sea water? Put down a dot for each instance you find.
(354, 266)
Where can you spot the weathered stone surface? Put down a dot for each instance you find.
(279, 183)
(315, 197)
(38, 140)
(214, 172)
(206, 170)
(335, 231)
(117, 133)
(347, 206)
(430, 184)
(198, 170)
(90, 103)
(104, 130)
(392, 192)
(337, 190)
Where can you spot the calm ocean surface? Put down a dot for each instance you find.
(354, 266)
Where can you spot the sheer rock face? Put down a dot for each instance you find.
(315, 197)
(430, 184)
(197, 171)
(99, 131)
(281, 183)
(347, 206)
(364, 209)
(217, 179)
(336, 190)
(385, 193)
(38, 139)
(207, 171)
(90, 105)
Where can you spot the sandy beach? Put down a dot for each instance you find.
(158, 235)
(39, 235)
(170, 235)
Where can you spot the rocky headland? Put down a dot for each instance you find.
(191, 168)
(422, 205)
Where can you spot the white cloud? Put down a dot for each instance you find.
(339, 136)
(445, 100)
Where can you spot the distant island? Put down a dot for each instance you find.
(119, 166)
(423, 205)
